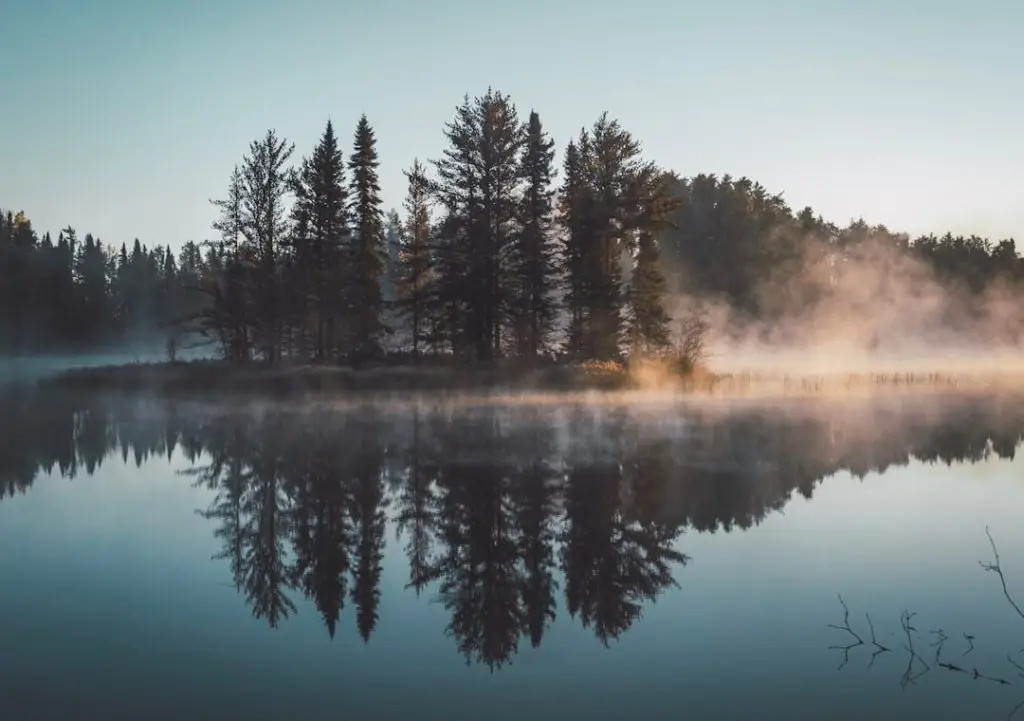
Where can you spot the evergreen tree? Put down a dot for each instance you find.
(392, 246)
(652, 192)
(230, 288)
(321, 240)
(478, 184)
(649, 331)
(535, 261)
(413, 274)
(367, 254)
(575, 203)
(265, 182)
(91, 290)
(455, 264)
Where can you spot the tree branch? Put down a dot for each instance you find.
(997, 568)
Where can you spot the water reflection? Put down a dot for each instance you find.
(501, 512)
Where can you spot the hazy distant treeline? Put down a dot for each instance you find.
(498, 253)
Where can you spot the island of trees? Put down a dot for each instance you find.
(496, 253)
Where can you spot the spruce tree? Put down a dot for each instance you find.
(413, 272)
(649, 327)
(479, 178)
(392, 245)
(652, 192)
(367, 253)
(321, 240)
(265, 182)
(455, 261)
(91, 290)
(575, 203)
(535, 262)
(604, 210)
(229, 314)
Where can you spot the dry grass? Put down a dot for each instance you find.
(659, 376)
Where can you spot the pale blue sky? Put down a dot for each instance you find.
(123, 117)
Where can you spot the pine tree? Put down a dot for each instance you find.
(413, 273)
(575, 203)
(649, 331)
(535, 261)
(456, 271)
(654, 203)
(321, 240)
(478, 185)
(392, 246)
(91, 275)
(265, 182)
(367, 252)
(603, 208)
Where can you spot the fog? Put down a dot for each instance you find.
(872, 307)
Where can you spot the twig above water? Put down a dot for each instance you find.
(998, 570)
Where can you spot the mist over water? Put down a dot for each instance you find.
(502, 560)
(861, 300)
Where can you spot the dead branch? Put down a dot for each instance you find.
(1016, 665)
(1015, 710)
(939, 644)
(909, 677)
(858, 641)
(879, 648)
(998, 570)
(970, 640)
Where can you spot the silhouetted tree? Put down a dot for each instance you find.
(534, 256)
(367, 254)
(414, 259)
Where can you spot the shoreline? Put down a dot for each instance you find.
(651, 380)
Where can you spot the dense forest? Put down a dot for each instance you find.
(514, 517)
(496, 252)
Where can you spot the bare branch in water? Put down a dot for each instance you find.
(1015, 710)
(909, 676)
(938, 644)
(998, 569)
(970, 640)
(909, 631)
(1016, 665)
(858, 641)
(879, 648)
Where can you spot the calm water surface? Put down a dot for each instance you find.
(175, 560)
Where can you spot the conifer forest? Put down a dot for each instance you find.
(501, 249)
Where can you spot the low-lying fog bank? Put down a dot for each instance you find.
(779, 377)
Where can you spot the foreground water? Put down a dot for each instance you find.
(163, 560)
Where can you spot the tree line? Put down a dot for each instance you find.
(496, 252)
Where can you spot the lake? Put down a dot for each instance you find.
(168, 559)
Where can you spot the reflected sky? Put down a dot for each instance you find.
(711, 539)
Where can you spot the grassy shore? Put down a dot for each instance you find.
(205, 378)
(213, 377)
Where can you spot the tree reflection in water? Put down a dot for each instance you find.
(500, 511)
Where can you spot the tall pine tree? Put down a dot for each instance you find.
(265, 177)
(655, 202)
(321, 241)
(478, 185)
(535, 255)
(414, 260)
(367, 253)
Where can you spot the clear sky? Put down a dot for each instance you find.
(123, 117)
